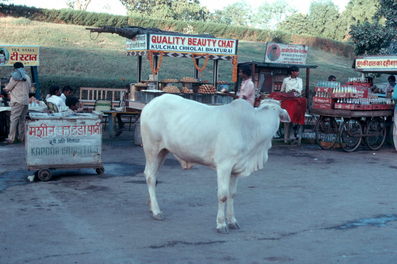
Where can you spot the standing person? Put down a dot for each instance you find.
(394, 97)
(390, 87)
(19, 93)
(247, 88)
(293, 83)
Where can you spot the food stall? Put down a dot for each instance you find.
(351, 113)
(155, 44)
(30, 57)
(268, 77)
(63, 141)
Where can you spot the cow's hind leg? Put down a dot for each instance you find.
(153, 163)
(230, 218)
(223, 176)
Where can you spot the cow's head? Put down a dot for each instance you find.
(275, 105)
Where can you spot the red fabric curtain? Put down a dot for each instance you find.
(295, 106)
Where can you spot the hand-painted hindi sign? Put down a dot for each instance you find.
(28, 55)
(377, 63)
(285, 53)
(139, 43)
(63, 142)
(183, 44)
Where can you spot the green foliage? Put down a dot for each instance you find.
(271, 13)
(388, 11)
(377, 37)
(322, 15)
(296, 23)
(187, 10)
(371, 38)
(324, 19)
(238, 14)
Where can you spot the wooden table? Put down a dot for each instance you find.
(134, 108)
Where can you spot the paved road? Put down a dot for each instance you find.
(306, 206)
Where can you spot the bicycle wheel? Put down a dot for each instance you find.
(326, 130)
(375, 133)
(350, 135)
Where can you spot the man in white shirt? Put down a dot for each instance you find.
(66, 91)
(293, 83)
(55, 99)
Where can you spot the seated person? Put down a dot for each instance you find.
(73, 104)
(389, 88)
(55, 99)
(66, 91)
(332, 78)
(293, 84)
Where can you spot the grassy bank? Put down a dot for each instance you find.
(69, 55)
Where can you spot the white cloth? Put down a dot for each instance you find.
(63, 96)
(58, 101)
(247, 91)
(290, 84)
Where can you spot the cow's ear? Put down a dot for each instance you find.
(284, 116)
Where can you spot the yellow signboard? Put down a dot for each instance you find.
(28, 55)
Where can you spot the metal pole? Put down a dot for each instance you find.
(156, 63)
(215, 73)
(35, 80)
(307, 83)
(139, 68)
(195, 71)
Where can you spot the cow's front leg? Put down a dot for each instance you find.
(230, 218)
(223, 176)
(153, 163)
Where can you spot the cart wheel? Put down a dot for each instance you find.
(100, 170)
(350, 135)
(44, 175)
(375, 132)
(326, 132)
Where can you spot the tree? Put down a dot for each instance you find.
(370, 38)
(268, 15)
(377, 37)
(357, 12)
(321, 19)
(296, 23)
(238, 14)
(78, 4)
(189, 10)
(387, 11)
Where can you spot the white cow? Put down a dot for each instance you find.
(234, 139)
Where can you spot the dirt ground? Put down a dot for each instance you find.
(307, 206)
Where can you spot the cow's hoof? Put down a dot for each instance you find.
(158, 217)
(222, 230)
(234, 226)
